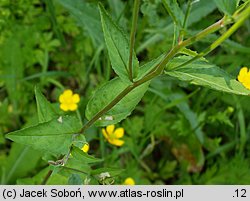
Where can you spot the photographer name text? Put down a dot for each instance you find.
(54, 193)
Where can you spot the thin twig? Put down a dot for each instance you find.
(46, 178)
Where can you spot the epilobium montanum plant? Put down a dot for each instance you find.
(61, 135)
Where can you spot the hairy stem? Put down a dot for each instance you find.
(132, 38)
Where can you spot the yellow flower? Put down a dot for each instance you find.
(129, 181)
(68, 100)
(244, 77)
(112, 135)
(85, 148)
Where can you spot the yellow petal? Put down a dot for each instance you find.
(243, 70)
(119, 132)
(243, 75)
(85, 148)
(129, 181)
(116, 142)
(105, 134)
(64, 107)
(72, 107)
(61, 98)
(110, 129)
(76, 98)
(247, 84)
(67, 93)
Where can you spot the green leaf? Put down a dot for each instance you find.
(87, 17)
(205, 74)
(117, 7)
(79, 141)
(12, 67)
(227, 6)
(118, 47)
(75, 166)
(200, 9)
(105, 94)
(192, 53)
(81, 156)
(34, 179)
(147, 67)
(75, 179)
(20, 161)
(228, 174)
(190, 115)
(37, 179)
(44, 108)
(178, 99)
(107, 171)
(149, 9)
(54, 136)
(174, 11)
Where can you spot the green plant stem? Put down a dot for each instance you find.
(59, 161)
(145, 166)
(132, 38)
(187, 13)
(226, 35)
(242, 126)
(102, 146)
(185, 20)
(174, 35)
(46, 178)
(160, 67)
